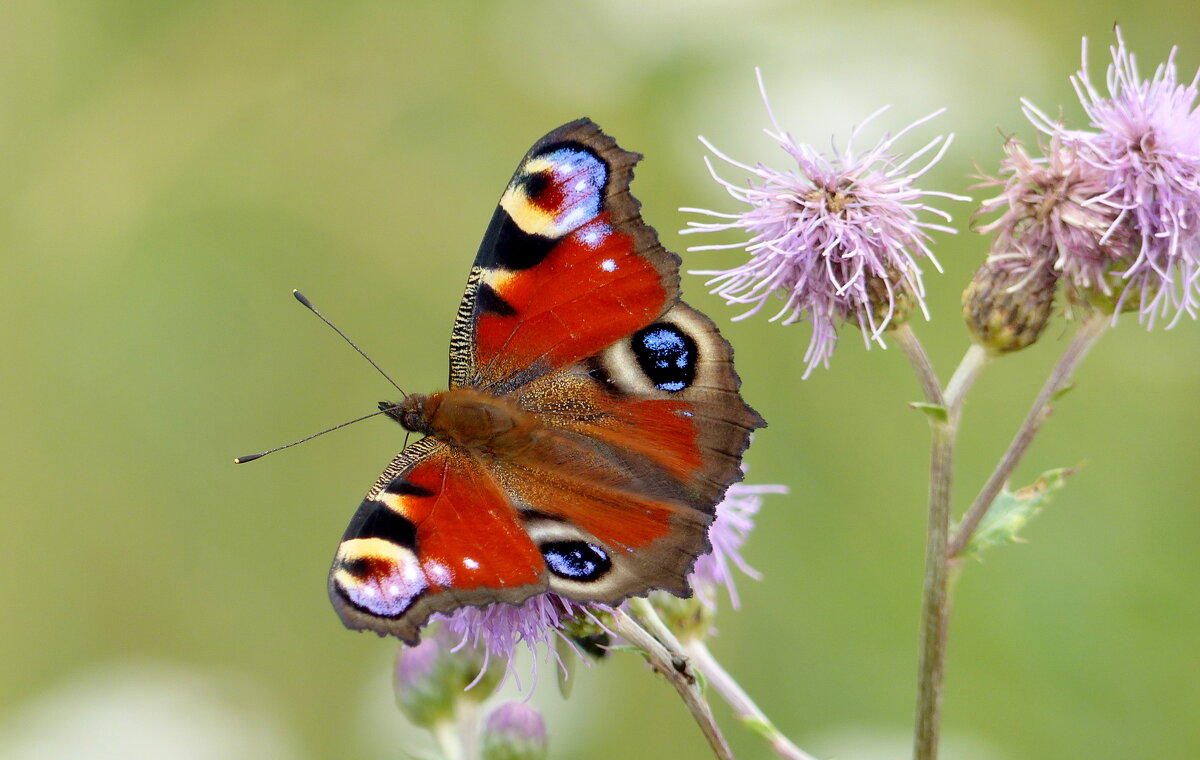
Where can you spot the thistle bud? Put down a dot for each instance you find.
(687, 618)
(430, 678)
(891, 300)
(1007, 304)
(514, 731)
(590, 633)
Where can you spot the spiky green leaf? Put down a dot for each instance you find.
(1011, 511)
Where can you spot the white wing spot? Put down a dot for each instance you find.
(439, 573)
(608, 265)
(470, 564)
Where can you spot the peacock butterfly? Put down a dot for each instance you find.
(592, 423)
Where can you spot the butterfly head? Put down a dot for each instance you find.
(409, 412)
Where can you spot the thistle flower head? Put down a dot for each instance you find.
(835, 237)
(1144, 139)
(727, 534)
(1054, 216)
(498, 630)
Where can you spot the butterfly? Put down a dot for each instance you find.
(591, 425)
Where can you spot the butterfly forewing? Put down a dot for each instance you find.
(566, 267)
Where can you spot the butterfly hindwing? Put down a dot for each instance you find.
(649, 435)
(436, 532)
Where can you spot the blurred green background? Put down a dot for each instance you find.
(169, 171)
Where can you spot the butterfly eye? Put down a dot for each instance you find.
(576, 560)
(667, 356)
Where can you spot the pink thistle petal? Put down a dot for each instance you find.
(727, 534)
(499, 629)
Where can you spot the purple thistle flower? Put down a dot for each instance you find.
(836, 238)
(499, 629)
(1053, 214)
(1146, 142)
(727, 534)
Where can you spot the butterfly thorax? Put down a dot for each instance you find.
(469, 419)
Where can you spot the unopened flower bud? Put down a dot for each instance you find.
(891, 301)
(430, 679)
(590, 633)
(1118, 295)
(687, 618)
(1007, 304)
(514, 731)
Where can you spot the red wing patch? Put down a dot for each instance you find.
(591, 290)
(443, 525)
(470, 535)
(567, 265)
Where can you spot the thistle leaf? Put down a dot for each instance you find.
(1062, 391)
(1011, 511)
(936, 412)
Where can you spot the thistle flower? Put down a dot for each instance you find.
(1054, 216)
(1145, 142)
(499, 629)
(727, 534)
(836, 238)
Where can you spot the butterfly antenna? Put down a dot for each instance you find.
(261, 454)
(308, 304)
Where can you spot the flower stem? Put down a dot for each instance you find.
(668, 659)
(1089, 332)
(445, 732)
(941, 551)
(744, 708)
(915, 352)
(964, 377)
(935, 605)
(468, 728)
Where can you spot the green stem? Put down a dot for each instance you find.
(964, 377)
(671, 663)
(915, 352)
(445, 732)
(468, 728)
(744, 708)
(935, 606)
(1089, 332)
